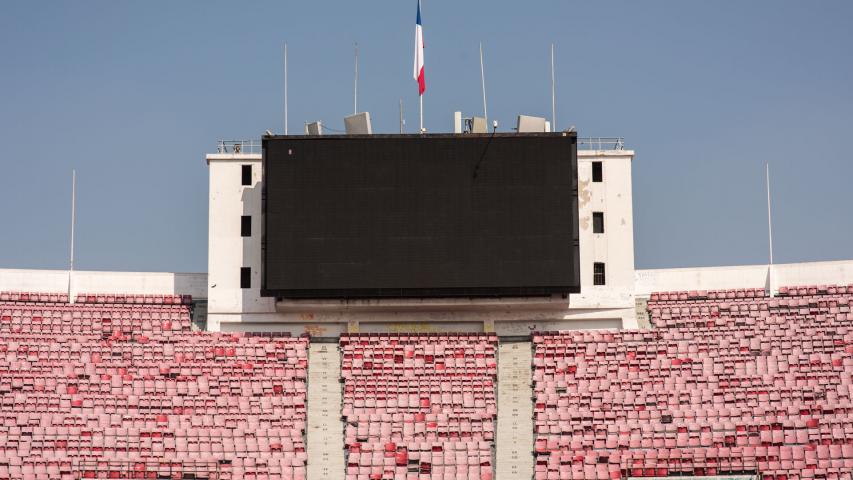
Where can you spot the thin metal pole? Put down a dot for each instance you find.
(553, 94)
(421, 108)
(73, 214)
(401, 115)
(73, 221)
(483, 83)
(355, 84)
(285, 88)
(769, 219)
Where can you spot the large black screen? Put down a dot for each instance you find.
(420, 215)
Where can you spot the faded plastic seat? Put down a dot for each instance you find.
(727, 382)
(119, 386)
(419, 406)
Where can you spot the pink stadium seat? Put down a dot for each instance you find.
(419, 406)
(119, 386)
(726, 382)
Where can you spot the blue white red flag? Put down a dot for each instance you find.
(419, 53)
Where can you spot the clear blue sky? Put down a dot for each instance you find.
(133, 94)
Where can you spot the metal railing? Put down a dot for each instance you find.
(584, 143)
(601, 143)
(238, 146)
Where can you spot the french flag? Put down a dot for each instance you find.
(419, 54)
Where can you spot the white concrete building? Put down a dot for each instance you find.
(604, 190)
(605, 203)
(605, 206)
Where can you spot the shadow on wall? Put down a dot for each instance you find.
(251, 247)
(194, 284)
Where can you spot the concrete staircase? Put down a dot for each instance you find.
(514, 440)
(325, 431)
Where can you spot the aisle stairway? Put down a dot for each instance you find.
(325, 431)
(515, 412)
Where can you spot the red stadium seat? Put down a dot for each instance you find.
(727, 382)
(119, 386)
(419, 406)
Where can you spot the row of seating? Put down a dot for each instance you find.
(39, 297)
(749, 293)
(119, 386)
(747, 312)
(727, 382)
(419, 406)
(103, 298)
(107, 298)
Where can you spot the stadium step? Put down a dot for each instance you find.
(325, 432)
(514, 440)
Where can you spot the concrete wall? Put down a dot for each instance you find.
(615, 247)
(227, 250)
(743, 276)
(146, 283)
(407, 323)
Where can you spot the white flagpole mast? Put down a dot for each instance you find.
(553, 94)
(483, 84)
(355, 83)
(769, 220)
(285, 88)
(769, 228)
(73, 221)
(401, 115)
(73, 214)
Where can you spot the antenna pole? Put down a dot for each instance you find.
(73, 221)
(769, 231)
(553, 94)
(355, 85)
(769, 220)
(285, 88)
(401, 115)
(483, 84)
(73, 214)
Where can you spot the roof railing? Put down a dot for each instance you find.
(601, 143)
(584, 143)
(238, 146)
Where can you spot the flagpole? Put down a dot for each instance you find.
(553, 94)
(769, 230)
(285, 88)
(355, 83)
(401, 115)
(421, 108)
(483, 84)
(73, 221)
(769, 220)
(73, 215)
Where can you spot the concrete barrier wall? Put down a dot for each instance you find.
(147, 283)
(743, 276)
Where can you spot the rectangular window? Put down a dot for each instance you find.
(598, 273)
(597, 173)
(246, 226)
(245, 277)
(597, 222)
(247, 174)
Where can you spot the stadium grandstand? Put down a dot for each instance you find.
(362, 373)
